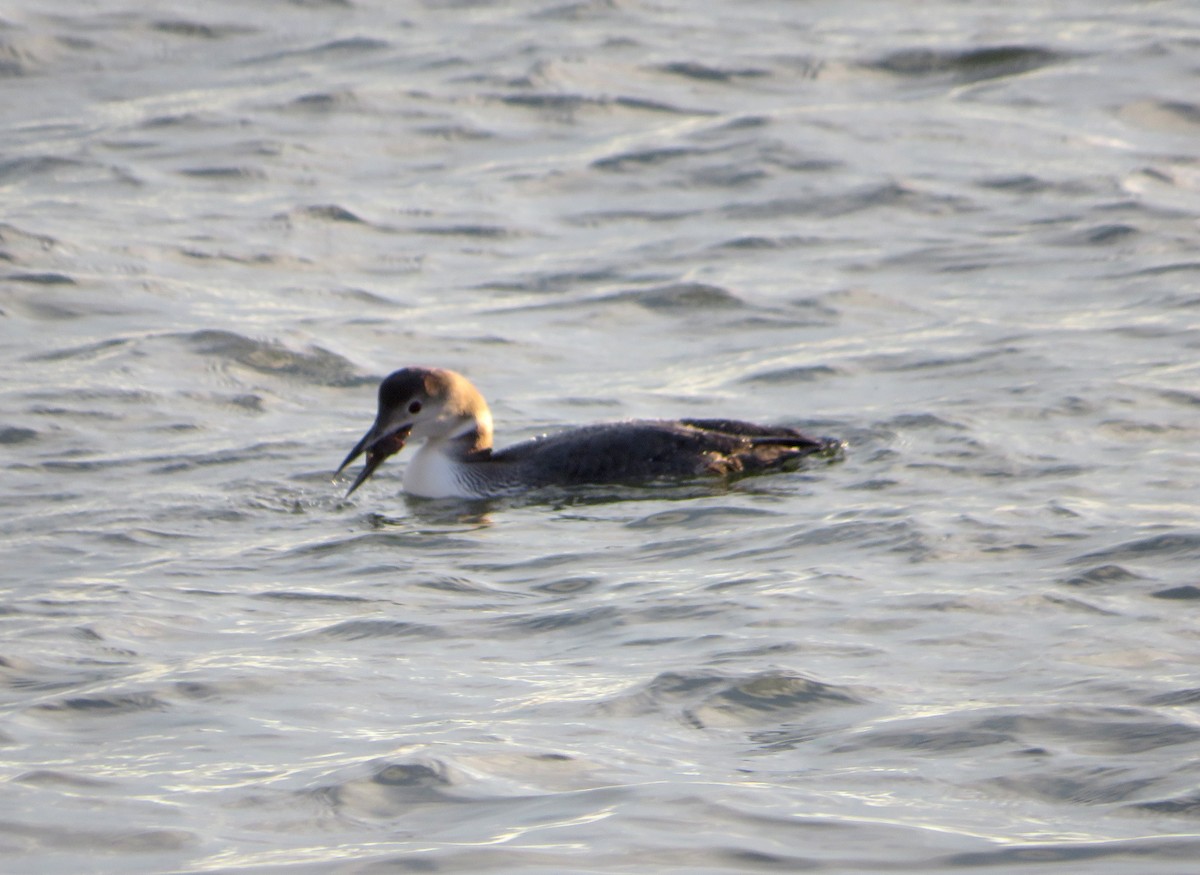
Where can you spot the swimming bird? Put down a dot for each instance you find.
(443, 409)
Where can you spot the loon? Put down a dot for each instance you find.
(443, 409)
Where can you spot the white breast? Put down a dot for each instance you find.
(433, 474)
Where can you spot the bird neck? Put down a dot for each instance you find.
(471, 440)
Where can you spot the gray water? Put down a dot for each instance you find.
(960, 236)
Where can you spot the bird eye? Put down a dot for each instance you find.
(415, 407)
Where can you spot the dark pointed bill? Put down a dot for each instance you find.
(377, 450)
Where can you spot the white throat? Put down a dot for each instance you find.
(432, 473)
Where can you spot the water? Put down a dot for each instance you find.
(960, 236)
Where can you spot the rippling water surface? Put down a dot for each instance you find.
(963, 237)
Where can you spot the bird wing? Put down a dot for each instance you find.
(646, 449)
